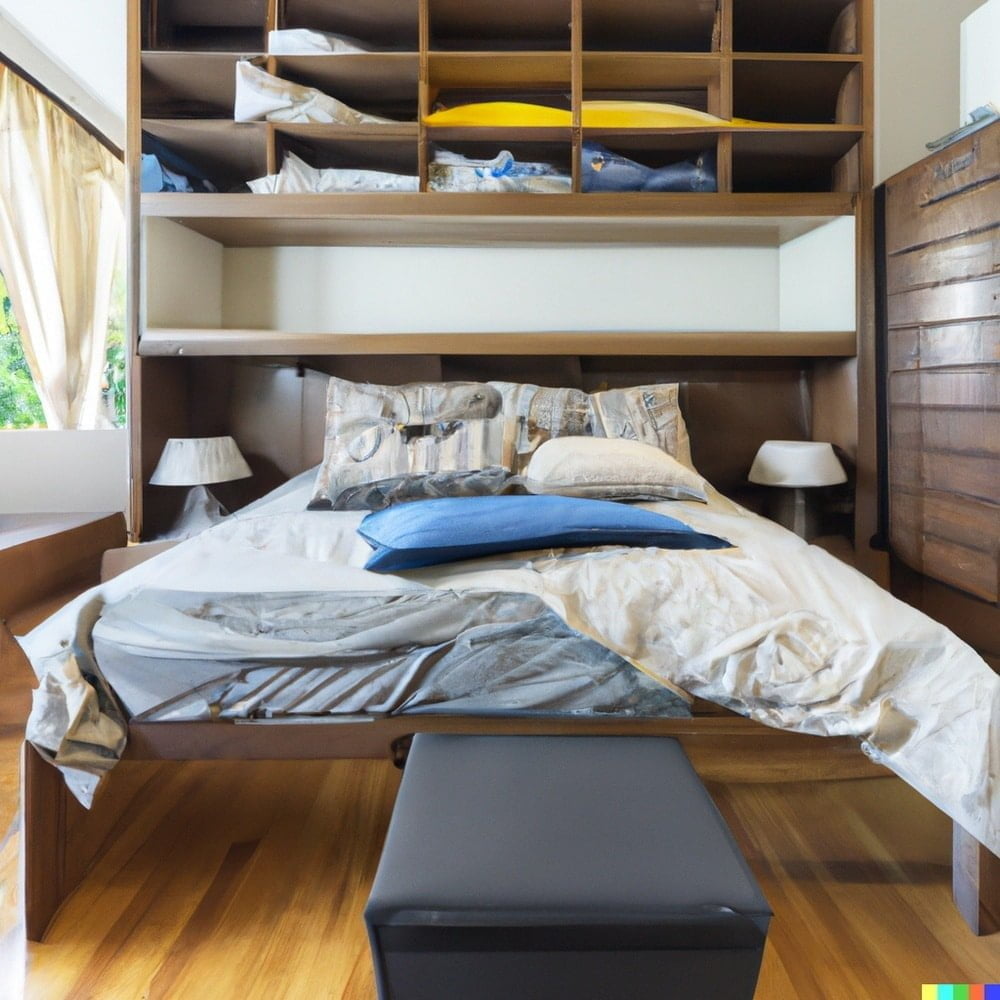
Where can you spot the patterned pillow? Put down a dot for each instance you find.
(534, 414)
(392, 443)
(386, 444)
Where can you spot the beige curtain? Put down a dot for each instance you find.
(61, 231)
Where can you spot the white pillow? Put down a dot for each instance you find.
(613, 468)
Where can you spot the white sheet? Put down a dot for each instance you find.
(775, 628)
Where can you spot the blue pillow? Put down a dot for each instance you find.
(409, 535)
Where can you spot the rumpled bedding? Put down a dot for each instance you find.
(173, 656)
(774, 628)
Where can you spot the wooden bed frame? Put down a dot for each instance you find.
(61, 840)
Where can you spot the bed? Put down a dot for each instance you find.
(790, 641)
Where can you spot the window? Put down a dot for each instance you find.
(20, 407)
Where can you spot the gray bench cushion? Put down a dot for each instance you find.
(530, 863)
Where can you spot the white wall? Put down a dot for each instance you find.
(85, 38)
(368, 289)
(63, 471)
(817, 279)
(980, 83)
(917, 58)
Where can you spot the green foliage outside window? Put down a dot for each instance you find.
(19, 403)
(20, 406)
(115, 371)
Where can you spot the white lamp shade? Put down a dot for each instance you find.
(197, 461)
(797, 463)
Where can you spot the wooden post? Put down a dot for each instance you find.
(975, 882)
(43, 841)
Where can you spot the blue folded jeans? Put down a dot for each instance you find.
(604, 170)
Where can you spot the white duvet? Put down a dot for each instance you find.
(774, 628)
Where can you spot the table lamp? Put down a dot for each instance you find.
(197, 462)
(794, 467)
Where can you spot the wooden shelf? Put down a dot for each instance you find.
(161, 342)
(434, 219)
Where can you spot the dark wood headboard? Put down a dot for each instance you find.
(275, 408)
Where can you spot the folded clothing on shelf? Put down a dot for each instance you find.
(604, 170)
(298, 177)
(163, 169)
(261, 96)
(307, 42)
(453, 172)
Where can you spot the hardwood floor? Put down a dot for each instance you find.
(247, 880)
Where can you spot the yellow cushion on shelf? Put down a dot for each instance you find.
(649, 114)
(512, 114)
(594, 114)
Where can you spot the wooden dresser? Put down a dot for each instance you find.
(942, 271)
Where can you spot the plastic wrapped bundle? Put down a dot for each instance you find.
(454, 172)
(297, 177)
(306, 42)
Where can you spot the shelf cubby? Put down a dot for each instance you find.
(780, 26)
(194, 25)
(510, 70)
(816, 90)
(796, 160)
(230, 153)
(383, 24)
(692, 81)
(514, 25)
(552, 146)
(651, 25)
(188, 84)
(653, 149)
(394, 151)
(383, 83)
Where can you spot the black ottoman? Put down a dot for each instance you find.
(551, 867)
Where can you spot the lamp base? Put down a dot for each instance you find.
(793, 509)
(200, 511)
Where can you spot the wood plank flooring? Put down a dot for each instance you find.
(237, 881)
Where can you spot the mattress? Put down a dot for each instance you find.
(773, 628)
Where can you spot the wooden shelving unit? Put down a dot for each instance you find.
(798, 71)
(802, 70)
